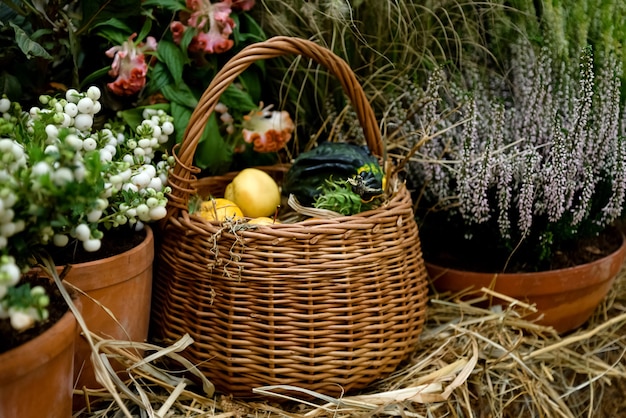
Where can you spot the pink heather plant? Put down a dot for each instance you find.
(521, 168)
(129, 65)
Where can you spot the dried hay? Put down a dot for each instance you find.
(471, 362)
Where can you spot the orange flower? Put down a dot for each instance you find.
(267, 130)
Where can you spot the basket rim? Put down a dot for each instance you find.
(400, 198)
(184, 172)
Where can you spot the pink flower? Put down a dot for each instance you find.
(214, 25)
(268, 131)
(129, 65)
(210, 43)
(244, 5)
(178, 29)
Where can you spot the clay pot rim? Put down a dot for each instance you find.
(133, 261)
(620, 252)
(130, 252)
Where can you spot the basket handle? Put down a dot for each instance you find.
(181, 174)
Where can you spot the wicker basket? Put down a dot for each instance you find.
(327, 305)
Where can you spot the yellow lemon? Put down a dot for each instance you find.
(255, 192)
(263, 220)
(219, 209)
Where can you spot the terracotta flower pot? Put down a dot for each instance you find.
(121, 283)
(36, 378)
(564, 298)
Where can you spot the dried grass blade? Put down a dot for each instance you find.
(170, 351)
(510, 300)
(464, 374)
(577, 337)
(171, 399)
(108, 372)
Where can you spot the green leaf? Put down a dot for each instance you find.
(238, 99)
(159, 77)
(251, 81)
(11, 86)
(145, 30)
(28, 46)
(96, 75)
(250, 31)
(180, 94)
(173, 5)
(181, 115)
(187, 38)
(114, 35)
(173, 58)
(134, 117)
(114, 23)
(40, 33)
(212, 152)
(95, 11)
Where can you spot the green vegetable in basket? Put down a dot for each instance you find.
(339, 196)
(343, 162)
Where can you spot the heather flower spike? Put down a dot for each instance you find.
(129, 65)
(267, 130)
(213, 23)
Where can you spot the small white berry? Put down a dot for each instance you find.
(5, 105)
(72, 95)
(158, 213)
(41, 168)
(74, 141)
(143, 212)
(83, 122)
(85, 105)
(94, 215)
(89, 144)
(62, 176)
(52, 131)
(21, 320)
(93, 93)
(71, 109)
(82, 231)
(167, 128)
(60, 240)
(92, 245)
(105, 155)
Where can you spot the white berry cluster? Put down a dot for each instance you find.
(136, 179)
(63, 180)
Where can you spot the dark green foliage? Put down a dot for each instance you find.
(341, 161)
(340, 196)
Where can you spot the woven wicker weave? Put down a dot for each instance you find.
(328, 305)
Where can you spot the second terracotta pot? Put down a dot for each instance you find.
(122, 284)
(564, 298)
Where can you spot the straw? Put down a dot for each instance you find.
(471, 361)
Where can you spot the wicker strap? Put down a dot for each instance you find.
(181, 175)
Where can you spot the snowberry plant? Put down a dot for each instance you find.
(63, 180)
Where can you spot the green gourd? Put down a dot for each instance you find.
(342, 162)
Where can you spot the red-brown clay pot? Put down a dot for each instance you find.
(564, 298)
(123, 284)
(36, 378)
